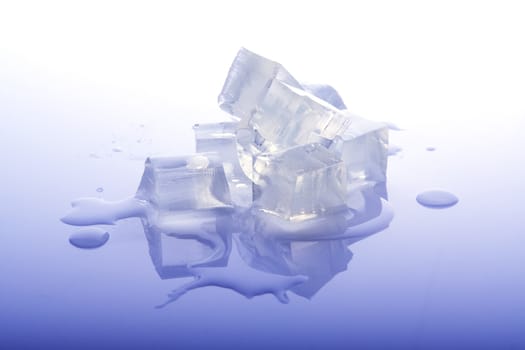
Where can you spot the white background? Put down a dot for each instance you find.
(417, 62)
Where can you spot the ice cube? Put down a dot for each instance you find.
(248, 80)
(289, 116)
(300, 183)
(221, 139)
(364, 149)
(274, 111)
(184, 183)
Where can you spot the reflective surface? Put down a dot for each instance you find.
(448, 278)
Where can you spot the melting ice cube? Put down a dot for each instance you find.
(221, 139)
(184, 183)
(300, 182)
(273, 109)
(248, 80)
(363, 147)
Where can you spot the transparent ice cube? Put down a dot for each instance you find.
(221, 139)
(183, 183)
(364, 149)
(273, 110)
(247, 82)
(300, 183)
(289, 116)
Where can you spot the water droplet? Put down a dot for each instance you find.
(117, 149)
(100, 189)
(89, 238)
(431, 149)
(437, 199)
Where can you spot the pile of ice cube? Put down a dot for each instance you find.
(290, 150)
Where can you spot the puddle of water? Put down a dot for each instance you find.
(437, 199)
(89, 238)
(97, 211)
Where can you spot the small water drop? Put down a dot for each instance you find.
(117, 149)
(431, 149)
(89, 238)
(436, 199)
(100, 189)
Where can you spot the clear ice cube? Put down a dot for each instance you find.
(221, 139)
(274, 111)
(300, 183)
(248, 80)
(363, 147)
(288, 116)
(184, 183)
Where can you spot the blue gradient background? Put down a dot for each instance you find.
(76, 78)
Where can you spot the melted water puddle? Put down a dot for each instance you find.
(89, 238)
(437, 198)
(198, 244)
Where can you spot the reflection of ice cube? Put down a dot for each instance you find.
(316, 248)
(364, 149)
(267, 243)
(182, 183)
(184, 239)
(221, 139)
(300, 183)
(320, 261)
